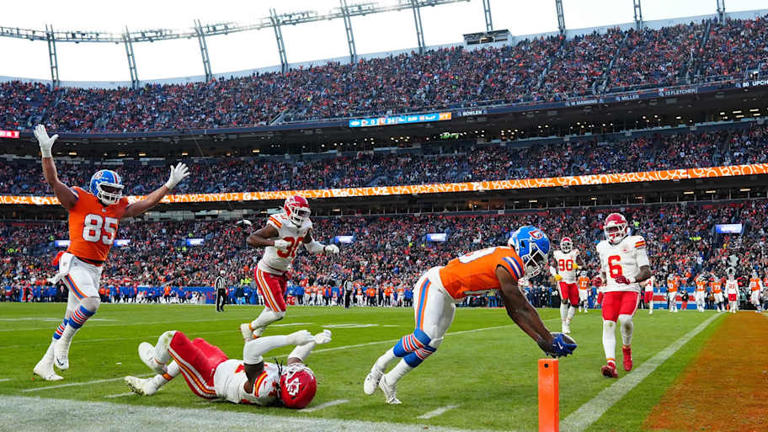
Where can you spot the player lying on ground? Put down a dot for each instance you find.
(211, 375)
(567, 261)
(93, 219)
(623, 267)
(280, 238)
(440, 288)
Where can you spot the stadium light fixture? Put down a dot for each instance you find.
(688, 193)
(745, 190)
(710, 191)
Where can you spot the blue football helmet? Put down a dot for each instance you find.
(107, 186)
(532, 245)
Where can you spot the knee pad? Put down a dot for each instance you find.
(91, 303)
(415, 358)
(609, 325)
(625, 319)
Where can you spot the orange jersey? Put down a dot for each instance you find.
(671, 285)
(92, 226)
(701, 285)
(583, 283)
(475, 272)
(754, 284)
(717, 287)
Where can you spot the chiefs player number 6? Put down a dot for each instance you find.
(92, 229)
(614, 267)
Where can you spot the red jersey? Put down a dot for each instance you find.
(93, 226)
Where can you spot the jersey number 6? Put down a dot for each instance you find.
(614, 268)
(92, 229)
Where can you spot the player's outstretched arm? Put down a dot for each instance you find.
(315, 247)
(520, 310)
(178, 173)
(301, 352)
(66, 197)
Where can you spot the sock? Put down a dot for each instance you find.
(563, 311)
(627, 328)
(48, 356)
(410, 343)
(398, 372)
(78, 318)
(571, 313)
(162, 355)
(60, 329)
(265, 318)
(163, 379)
(383, 362)
(609, 339)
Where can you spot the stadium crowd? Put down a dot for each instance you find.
(544, 69)
(474, 163)
(388, 253)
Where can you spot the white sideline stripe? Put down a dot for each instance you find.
(591, 411)
(77, 384)
(119, 395)
(437, 412)
(41, 414)
(325, 405)
(4, 379)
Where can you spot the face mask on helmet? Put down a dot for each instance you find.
(532, 246)
(566, 245)
(107, 187)
(297, 210)
(297, 386)
(615, 228)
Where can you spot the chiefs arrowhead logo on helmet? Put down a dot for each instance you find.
(297, 386)
(297, 209)
(615, 228)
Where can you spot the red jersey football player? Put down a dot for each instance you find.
(94, 215)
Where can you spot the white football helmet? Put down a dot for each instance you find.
(566, 245)
(615, 228)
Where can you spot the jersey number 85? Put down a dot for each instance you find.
(97, 229)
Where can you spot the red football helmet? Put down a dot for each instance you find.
(297, 386)
(566, 245)
(297, 209)
(615, 227)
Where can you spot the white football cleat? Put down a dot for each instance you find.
(44, 369)
(245, 330)
(61, 354)
(140, 386)
(390, 391)
(566, 328)
(372, 381)
(147, 355)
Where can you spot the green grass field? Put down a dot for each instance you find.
(486, 368)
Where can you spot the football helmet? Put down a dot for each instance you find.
(297, 209)
(615, 228)
(297, 386)
(107, 186)
(532, 246)
(566, 245)
(731, 272)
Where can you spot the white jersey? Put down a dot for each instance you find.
(623, 259)
(648, 284)
(565, 264)
(277, 261)
(229, 379)
(731, 287)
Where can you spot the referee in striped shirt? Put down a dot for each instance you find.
(221, 291)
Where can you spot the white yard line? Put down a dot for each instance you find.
(4, 379)
(325, 405)
(437, 412)
(119, 395)
(33, 413)
(591, 411)
(77, 384)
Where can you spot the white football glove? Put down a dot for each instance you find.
(282, 244)
(178, 173)
(245, 222)
(300, 337)
(45, 141)
(323, 338)
(332, 249)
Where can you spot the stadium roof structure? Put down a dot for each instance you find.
(275, 20)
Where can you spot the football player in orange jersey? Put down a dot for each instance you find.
(93, 219)
(437, 291)
(755, 286)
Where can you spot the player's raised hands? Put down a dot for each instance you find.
(323, 337)
(331, 249)
(178, 173)
(300, 337)
(44, 140)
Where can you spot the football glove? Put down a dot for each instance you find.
(323, 337)
(300, 337)
(44, 140)
(333, 249)
(282, 244)
(597, 281)
(621, 279)
(558, 278)
(178, 173)
(561, 346)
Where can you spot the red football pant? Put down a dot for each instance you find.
(272, 289)
(732, 297)
(648, 297)
(570, 291)
(617, 303)
(197, 361)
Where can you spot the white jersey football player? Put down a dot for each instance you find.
(211, 375)
(567, 261)
(281, 238)
(648, 293)
(623, 266)
(732, 289)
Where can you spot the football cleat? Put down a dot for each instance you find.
(61, 354)
(566, 328)
(245, 330)
(390, 391)
(609, 370)
(147, 355)
(627, 351)
(372, 381)
(140, 386)
(44, 369)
